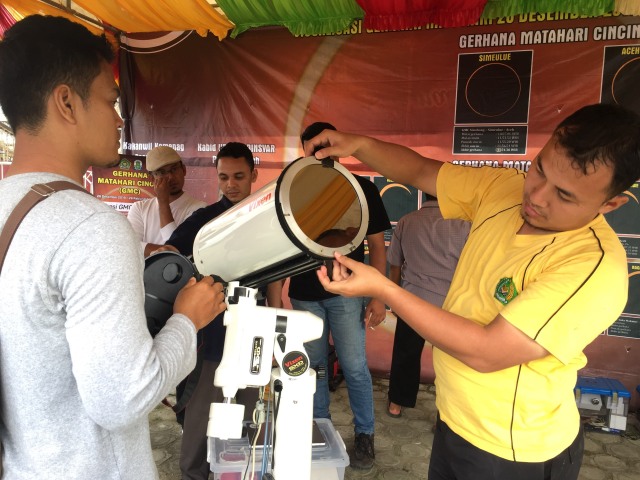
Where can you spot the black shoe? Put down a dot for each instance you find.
(363, 452)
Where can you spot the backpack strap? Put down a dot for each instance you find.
(190, 383)
(36, 194)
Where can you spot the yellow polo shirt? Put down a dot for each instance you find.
(561, 289)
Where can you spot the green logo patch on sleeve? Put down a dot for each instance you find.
(505, 290)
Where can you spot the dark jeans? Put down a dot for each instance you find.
(453, 458)
(404, 379)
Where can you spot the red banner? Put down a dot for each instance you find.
(489, 94)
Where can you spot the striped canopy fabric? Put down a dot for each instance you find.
(229, 18)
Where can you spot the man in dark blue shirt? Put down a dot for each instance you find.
(236, 175)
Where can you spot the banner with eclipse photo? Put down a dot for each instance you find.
(488, 94)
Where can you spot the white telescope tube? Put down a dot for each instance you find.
(289, 226)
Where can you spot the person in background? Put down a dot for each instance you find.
(422, 257)
(79, 371)
(236, 176)
(345, 319)
(155, 219)
(541, 276)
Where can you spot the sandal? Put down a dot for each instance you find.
(391, 414)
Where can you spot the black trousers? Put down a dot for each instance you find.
(404, 379)
(453, 458)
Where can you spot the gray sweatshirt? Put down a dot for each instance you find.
(79, 372)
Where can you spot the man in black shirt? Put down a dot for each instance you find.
(346, 320)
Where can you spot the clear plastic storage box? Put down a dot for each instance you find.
(229, 458)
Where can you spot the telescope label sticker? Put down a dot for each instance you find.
(256, 355)
(260, 201)
(295, 363)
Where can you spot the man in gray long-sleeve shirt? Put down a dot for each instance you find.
(79, 372)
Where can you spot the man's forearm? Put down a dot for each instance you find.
(399, 163)
(391, 160)
(274, 294)
(395, 273)
(485, 348)
(377, 255)
(376, 310)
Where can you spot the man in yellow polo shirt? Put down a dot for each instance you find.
(541, 276)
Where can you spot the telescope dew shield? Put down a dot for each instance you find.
(289, 226)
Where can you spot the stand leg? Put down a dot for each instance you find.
(293, 430)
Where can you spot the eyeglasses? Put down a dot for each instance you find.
(169, 170)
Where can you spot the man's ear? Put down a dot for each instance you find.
(64, 102)
(254, 175)
(613, 203)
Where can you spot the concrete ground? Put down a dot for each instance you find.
(403, 445)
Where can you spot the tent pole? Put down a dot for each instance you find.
(75, 13)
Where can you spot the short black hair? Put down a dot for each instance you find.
(236, 150)
(315, 129)
(607, 134)
(39, 53)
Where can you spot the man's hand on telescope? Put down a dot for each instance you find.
(331, 143)
(201, 301)
(353, 279)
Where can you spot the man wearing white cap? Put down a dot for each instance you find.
(155, 219)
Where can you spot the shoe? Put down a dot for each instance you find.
(391, 414)
(363, 452)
